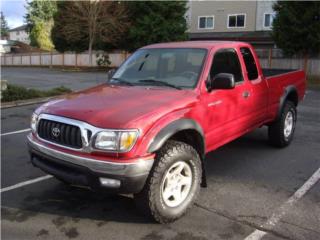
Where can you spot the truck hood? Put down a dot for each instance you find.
(108, 106)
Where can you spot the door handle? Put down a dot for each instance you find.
(246, 94)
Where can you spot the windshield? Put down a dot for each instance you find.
(170, 67)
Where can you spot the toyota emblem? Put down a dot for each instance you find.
(55, 132)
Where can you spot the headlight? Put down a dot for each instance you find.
(121, 141)
(33, 124)
(107, 140)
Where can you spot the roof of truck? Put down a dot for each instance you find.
(194, 44)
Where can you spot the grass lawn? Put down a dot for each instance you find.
(15, 92)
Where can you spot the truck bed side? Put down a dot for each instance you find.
(279, 80)
(271, 72)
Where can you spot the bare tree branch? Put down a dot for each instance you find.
(94, 20)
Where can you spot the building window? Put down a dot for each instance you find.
(268, 19)
(236, 21)
(206, 22)
(18, 33)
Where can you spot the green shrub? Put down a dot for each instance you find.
(15, 92)
(313, 80)
(58, 91)
(103, 59)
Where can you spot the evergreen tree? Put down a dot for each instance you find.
(4, 27)
(155, 21)
(296, 27)
(39, 18)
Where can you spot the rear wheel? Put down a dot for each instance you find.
(281, 131)
(173, 184)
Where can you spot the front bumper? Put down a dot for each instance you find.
(84, 171)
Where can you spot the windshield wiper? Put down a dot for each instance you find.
(120, 80)
(160, 83)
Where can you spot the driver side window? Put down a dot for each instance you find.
(226, 61)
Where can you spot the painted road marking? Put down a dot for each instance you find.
(15, 132)
(283, 209)
(18, 185)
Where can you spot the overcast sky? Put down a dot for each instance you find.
(13, 10)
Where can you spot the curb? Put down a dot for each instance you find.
(19, 103)
(84, 69)
(66, 68)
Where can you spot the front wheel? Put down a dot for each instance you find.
(173, 184)
(281, 131)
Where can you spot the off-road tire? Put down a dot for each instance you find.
(276, 134)
(150, 200)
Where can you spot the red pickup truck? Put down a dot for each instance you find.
(147, 130)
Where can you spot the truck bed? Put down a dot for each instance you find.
(270, 72)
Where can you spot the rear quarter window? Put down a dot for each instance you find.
(250, 63)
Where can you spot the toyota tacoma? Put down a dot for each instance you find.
(146, 130)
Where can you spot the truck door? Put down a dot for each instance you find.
(226, 107)
(258, 94)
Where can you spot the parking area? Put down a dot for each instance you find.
(33, 77)
(254, 192)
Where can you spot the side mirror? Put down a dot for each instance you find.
(221, 81)
(110, 73)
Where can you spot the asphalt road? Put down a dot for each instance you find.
(248, 182)
(46, 78)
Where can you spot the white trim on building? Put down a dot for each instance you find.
(271, 17)
(206, 22)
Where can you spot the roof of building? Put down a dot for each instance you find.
(20, 28)
(250, 36)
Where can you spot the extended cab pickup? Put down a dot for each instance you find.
(147, 130)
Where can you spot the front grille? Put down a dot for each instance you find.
(60, 133)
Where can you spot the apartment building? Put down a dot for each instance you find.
(19, 34)
(264, 15)
(249, 21)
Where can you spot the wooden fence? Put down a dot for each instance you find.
(60, 59)
(292, 63)
(116, 58)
